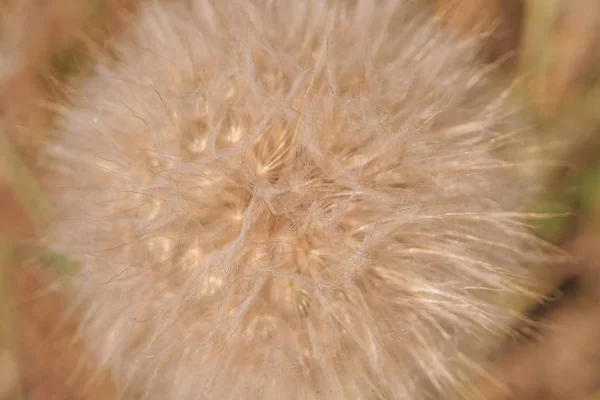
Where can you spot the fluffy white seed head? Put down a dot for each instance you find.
(288, 199)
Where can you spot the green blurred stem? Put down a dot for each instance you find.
(538, 31)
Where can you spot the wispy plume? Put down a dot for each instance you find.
(289, 199)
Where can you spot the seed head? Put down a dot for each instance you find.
(289, 199)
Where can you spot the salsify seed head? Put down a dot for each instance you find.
(289, 199)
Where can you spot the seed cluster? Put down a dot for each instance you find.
(289, 200)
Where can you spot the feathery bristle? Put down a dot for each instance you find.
(289, 199)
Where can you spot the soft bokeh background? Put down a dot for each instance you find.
(550, 48)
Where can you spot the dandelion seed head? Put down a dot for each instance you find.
(292, 200)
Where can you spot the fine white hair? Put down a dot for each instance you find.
(289, 200)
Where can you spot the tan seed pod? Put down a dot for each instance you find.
(289, 199)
